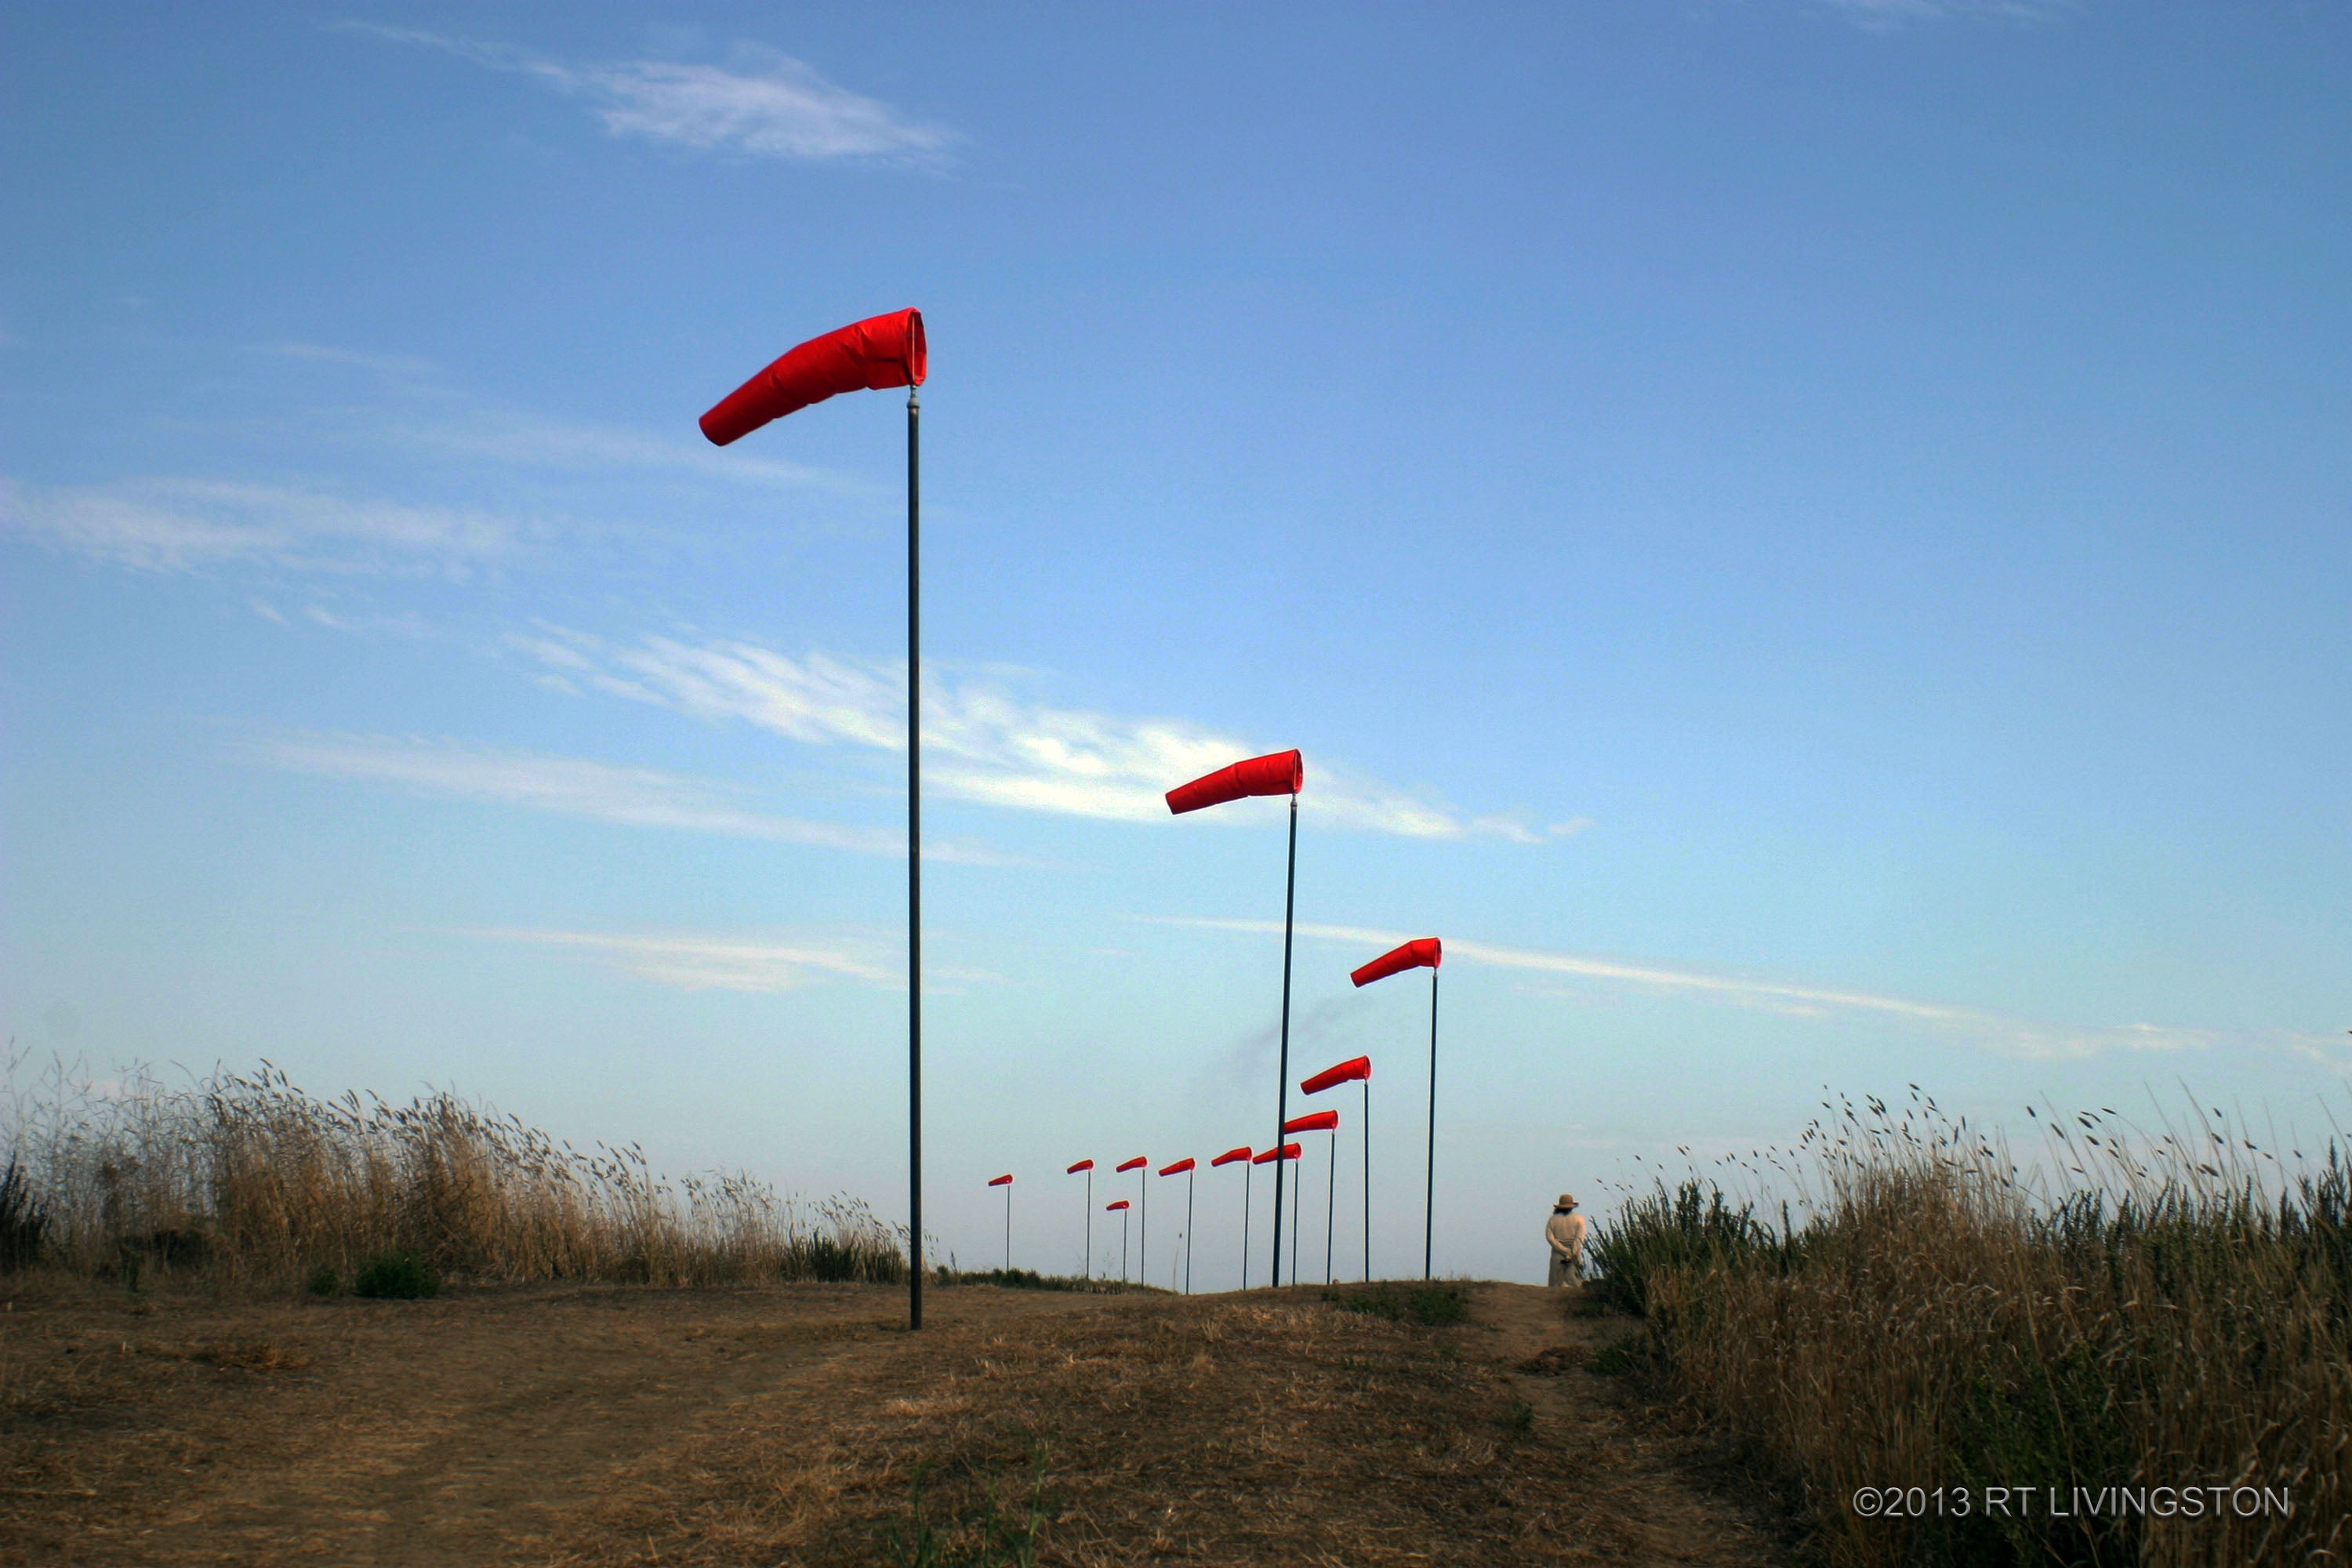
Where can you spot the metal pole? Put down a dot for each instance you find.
(1282, 1073)
(1122, 1245)
(1294, 1187)
(1008, 1227)
(1331, 1185)
(1143, 1224)
(1090, 1222)
(1188, 1177)
(1248, 1170)
(1368, 1178)
(1429, 1188)
(915, 859)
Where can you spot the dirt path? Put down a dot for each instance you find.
(618, 1426)
(1547, 1352)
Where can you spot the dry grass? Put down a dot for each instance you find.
(562, 1426)
(249, 1182)
(2174, 1315)
(1266, 1429)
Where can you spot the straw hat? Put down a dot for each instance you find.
(1566, 1201)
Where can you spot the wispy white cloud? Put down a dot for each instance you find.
(524, 440)
(577, 787)
(762, 102)
(1885, 15)
(712, 963)
(708, 961)
(188, 524)
(396, 367)
(2015, 1037)
(982, 741)
(449, 421)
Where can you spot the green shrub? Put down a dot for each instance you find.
(395, 1277)
(1433, 1303)
(24, 1223)
(1029, 1279)
(994, 1535)
(1615, 1361)
(1681, 1229)
(324, 1281)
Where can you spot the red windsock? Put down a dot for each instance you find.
(1004, 1181)
(1178, 1169)
(1081, 1166)
(1119, 1205)
(1313, 1122)
(1230, 1155)
(1427, 952)
(1279, 772)
(1287, 1151)
(1360, 1068)
(869, 355)
(1135, 1164)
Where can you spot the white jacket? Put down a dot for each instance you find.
(1566, 1233)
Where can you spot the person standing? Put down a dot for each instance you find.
(1565, 1231)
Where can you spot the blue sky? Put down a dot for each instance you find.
(1806, 540)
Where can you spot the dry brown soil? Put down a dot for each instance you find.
(793, 1424)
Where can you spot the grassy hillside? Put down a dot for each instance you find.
(250, 1181)
(2171, 1313)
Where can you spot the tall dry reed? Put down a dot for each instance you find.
(2171, 1313)
(247, 1180)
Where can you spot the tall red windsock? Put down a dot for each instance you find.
(1279, 772)
(1121, 1204)
(1287, 1151)
(1313, 1122)
(1230, 1155)
(1427, 952)
(1081, 1166)
(870, 355)
(1178, 1169)
(1135, 1164)
(1356, 1071)
(1004, 1181)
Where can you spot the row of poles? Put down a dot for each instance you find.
(1425, 952)
(892, 350)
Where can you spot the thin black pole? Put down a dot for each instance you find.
(1330, 1187)
(1189, 1176)
(1368, 1178)
(1248, 1168)
(914, 861)
(1295, 1188)
(1429, 1189)
(1282, 1073)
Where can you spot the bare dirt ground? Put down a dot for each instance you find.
(803, 1424)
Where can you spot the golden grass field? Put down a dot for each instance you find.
(790, 1424)
(196, 1364)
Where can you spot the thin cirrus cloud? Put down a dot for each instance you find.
(699, 962)
(2011, 1035)
(428, 414)
(762, 102)
(167, 524)
(1885, 15)
(575, 788)
(981, 742)
(707, 961)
